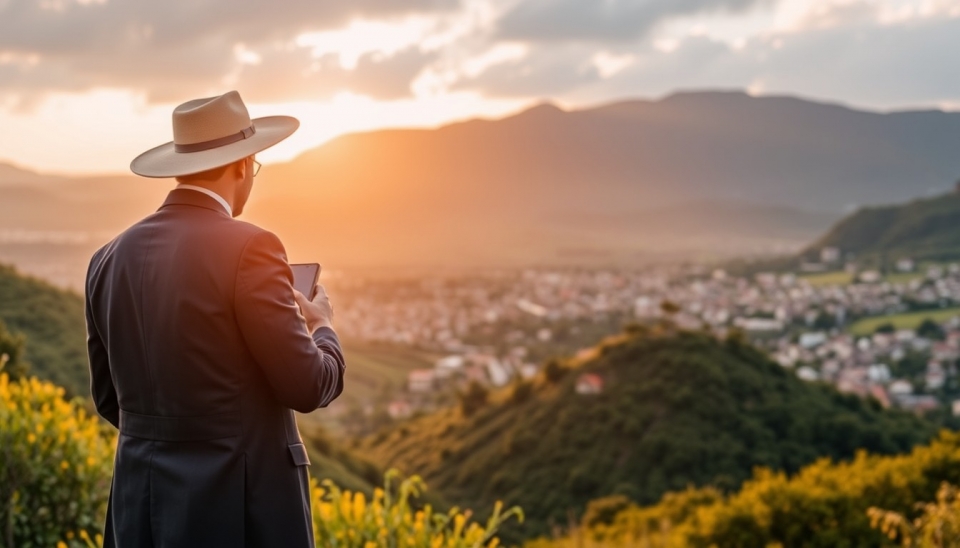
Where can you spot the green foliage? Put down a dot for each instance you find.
(52, 320)
(930, 329)
(826, 504)
(11, 353)
(886, 327)
(55, 465)
(677, 409)
(342, 519)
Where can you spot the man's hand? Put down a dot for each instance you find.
(318, 312)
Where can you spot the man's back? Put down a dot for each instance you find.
(197, 354)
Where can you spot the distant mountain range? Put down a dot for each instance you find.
(706, 174)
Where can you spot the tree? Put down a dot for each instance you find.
(930, 329)
(554, 371)
(522, 390)
(669, 308)
(885, 328)
(473, 398)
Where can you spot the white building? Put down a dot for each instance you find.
(905, 265)
(808, 373)
(759, 324)
(497, 373)
(421, 380)
(900, 387)
(878, 373)
(812, 340)
(829, 255)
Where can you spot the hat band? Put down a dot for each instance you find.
(216, 143)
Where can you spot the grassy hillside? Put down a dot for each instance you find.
(52, 321)
(926, 229)
(676, 409)
(330, 460)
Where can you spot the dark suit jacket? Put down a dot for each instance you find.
(197, 354)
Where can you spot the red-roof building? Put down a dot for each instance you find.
(589, 383)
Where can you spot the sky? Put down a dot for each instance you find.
(86, 85)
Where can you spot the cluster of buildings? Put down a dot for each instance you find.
(486, 325)
(898, 368)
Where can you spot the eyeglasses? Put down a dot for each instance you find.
(256, 168)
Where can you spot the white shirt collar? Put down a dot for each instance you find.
(212, 194)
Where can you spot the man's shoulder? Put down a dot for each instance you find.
(252, 233)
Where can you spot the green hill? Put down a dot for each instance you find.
(677, 409)
(51, 319)
(926, 229)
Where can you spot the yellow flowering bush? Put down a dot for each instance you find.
(936, 526)
(55, 467)
(342, 519)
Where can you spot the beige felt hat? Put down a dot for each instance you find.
(209, 133)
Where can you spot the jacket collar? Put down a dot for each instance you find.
(184, 196)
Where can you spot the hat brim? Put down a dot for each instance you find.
(163, 161)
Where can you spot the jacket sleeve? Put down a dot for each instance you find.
(304, 372)
(101, 382)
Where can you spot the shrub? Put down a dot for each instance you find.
(554, 371)
(342, 519)
(55, 466)
(602, 511)
(473, 398)
(522, 391)
(937, 526)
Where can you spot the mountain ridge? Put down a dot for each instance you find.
(513, 191)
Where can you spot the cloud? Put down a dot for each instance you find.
(870, 52)
(852, 59)
(171, 49)
(67, 26)
(603, 20)
(292, 75)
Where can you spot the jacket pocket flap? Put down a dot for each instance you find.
(299, 453)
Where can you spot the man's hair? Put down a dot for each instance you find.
(209, 175)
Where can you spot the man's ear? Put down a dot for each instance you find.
(240, 167)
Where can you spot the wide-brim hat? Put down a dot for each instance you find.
(209, 133)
